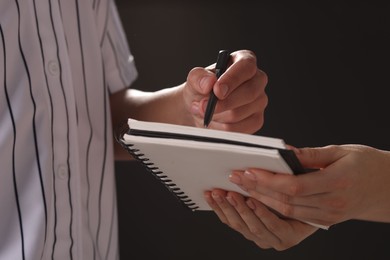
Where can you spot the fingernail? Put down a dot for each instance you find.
(250, 204)
(216, 197)
(231, 201)
(235, 179)
(208, 198)
(224, 89)
(195, 109)
(250, 175)
(204, 82)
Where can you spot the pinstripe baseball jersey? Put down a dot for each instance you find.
(59, 62)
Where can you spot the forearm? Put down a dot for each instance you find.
(378, 209)
(161, 106)
(166, 105)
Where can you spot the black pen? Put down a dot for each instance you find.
(220, 68)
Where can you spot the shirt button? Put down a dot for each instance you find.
(53, 68)
(62, 172)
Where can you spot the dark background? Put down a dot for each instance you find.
(327, 63)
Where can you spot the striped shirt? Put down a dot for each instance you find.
(59, 62)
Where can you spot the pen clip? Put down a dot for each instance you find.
(222, 62)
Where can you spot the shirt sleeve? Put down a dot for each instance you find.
(118, 61)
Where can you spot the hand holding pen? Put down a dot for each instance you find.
(239, 91)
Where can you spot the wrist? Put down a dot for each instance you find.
(182, 110)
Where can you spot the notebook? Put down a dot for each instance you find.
(189, 160)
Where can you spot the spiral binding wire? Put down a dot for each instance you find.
(154, 170)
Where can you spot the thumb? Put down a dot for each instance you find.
(201, 81)
(319, 157)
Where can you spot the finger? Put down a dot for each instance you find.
(309, 208)
(248, 125)
(201, 81)
(283, 208)
(247, 118)
(219, 196)
(274, 225)
(228, 214)
(318, 208)
(269, 219)
(248, 93)
(286, 185)
(243, 68)
(254, 224)
(214, 205)
(319, 157)
(288, 231)
(303, 213)
(232, 217)
(247, 181)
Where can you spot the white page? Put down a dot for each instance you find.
(198, 166)
(205, 132)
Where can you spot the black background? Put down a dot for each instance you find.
(327, 63)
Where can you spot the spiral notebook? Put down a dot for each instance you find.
(190, 160)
